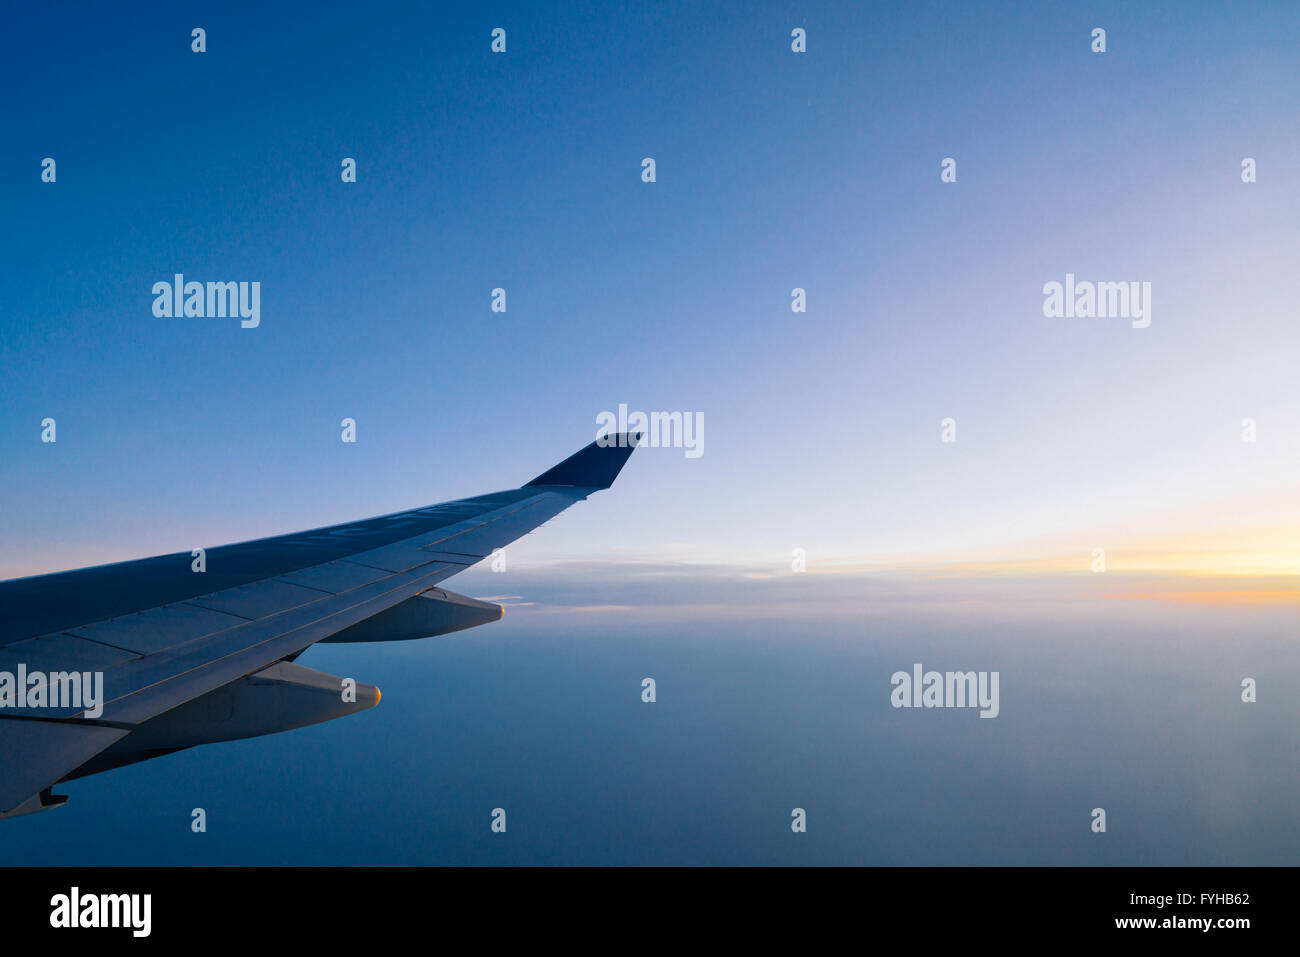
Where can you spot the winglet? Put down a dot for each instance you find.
(596, 466)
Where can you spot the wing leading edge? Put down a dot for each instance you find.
(164, 636)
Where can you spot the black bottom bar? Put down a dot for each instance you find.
(930, 905)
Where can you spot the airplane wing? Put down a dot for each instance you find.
(193, 649)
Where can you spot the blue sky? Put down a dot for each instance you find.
(775, 170)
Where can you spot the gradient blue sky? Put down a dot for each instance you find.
(775, 170)
(522, 171)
